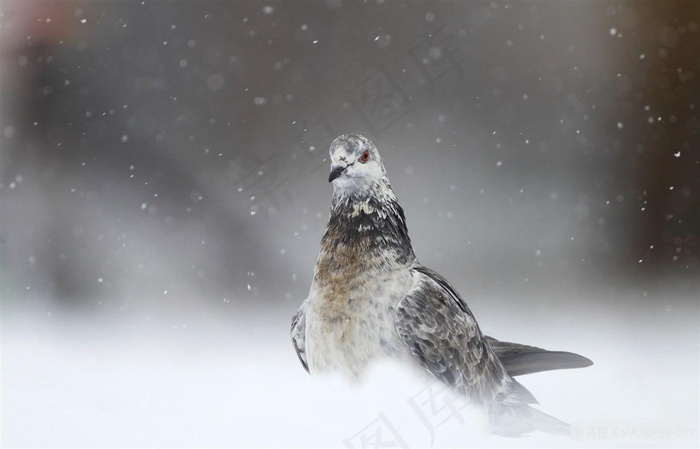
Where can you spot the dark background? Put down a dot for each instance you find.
(164, 162)
(180, 146)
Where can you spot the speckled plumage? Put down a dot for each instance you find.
(371, 298)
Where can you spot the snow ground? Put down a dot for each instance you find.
(69, 382)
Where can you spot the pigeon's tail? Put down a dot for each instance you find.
(520, 359)
(519, 420)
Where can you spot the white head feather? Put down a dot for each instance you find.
(356, 167)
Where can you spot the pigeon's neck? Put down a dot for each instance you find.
(347, 196)
(373, 224)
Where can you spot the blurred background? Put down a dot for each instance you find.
(163, 176)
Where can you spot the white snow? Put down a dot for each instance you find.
(190, 380)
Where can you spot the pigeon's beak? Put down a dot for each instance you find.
(336, 170)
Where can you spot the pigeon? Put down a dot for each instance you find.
(370, 298)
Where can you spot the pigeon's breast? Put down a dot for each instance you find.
(350, 319)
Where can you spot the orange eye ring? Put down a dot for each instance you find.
(365, 156)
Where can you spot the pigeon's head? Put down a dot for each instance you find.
(355, 164)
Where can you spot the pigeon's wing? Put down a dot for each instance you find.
(298, 334)
(442, 334)
(520, 359)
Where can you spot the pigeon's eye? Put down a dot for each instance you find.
(365, 156)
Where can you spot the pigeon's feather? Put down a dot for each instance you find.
(520, 359)
(442, 334)
(298, 334)
(518, 421)
(370, 298)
